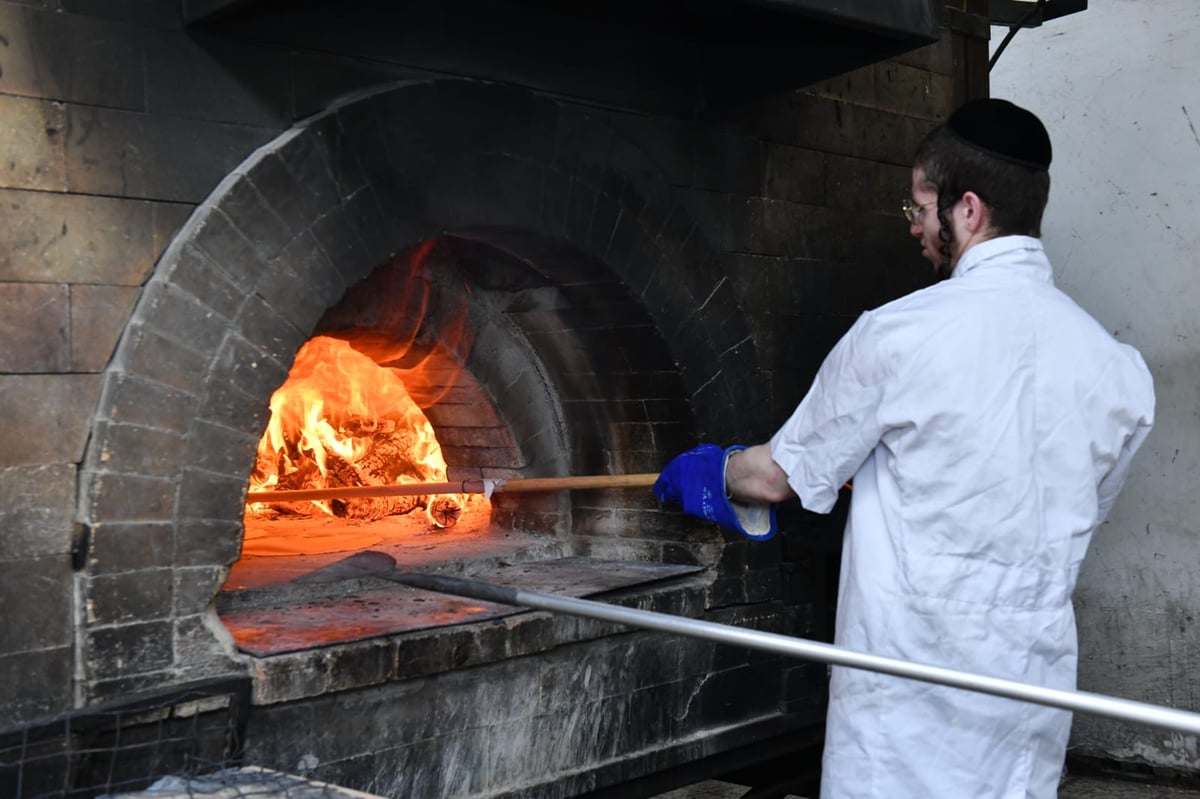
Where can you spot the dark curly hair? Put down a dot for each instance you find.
(1015, 194)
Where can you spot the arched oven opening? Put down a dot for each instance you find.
(466, 360)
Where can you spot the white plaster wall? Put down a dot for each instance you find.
(1118, 86)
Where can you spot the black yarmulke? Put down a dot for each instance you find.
(1000, 128)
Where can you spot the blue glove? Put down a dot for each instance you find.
(695, 480)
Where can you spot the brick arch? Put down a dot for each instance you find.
(278, 243)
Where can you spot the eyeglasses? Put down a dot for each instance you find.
(912, 211)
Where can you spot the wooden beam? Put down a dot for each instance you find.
(644, 480)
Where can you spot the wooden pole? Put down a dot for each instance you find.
(515, 486)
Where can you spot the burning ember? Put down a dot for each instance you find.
(341, 420)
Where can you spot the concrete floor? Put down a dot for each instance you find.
(1072, 788)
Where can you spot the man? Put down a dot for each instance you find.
(987, 423)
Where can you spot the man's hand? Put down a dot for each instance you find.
(695, 480)
(753, 476)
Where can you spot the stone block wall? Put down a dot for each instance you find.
(116, 122)
(97, 172)
(523, 727)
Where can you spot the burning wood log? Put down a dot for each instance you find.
(445, 510)
(388, 459)
(304, 478)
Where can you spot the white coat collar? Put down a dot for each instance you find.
(1022, 253)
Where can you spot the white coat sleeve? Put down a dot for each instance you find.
(1139, 413)
(836, 426)
(1111, 485)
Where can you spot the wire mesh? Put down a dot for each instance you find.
(114, 749)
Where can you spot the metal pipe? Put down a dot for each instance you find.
(1079, 701)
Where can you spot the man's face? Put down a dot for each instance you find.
(927, 228)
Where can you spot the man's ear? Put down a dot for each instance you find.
(976, 213)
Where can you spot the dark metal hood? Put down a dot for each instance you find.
(901, 19)
(662, 54)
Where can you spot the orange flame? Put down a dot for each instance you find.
(333, 409)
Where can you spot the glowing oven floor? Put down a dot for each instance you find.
(277, 551)
(268, 613)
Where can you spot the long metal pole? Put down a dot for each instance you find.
(1080, 701)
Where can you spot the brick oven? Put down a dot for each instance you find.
(582, 247)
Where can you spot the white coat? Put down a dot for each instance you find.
(988, 423)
